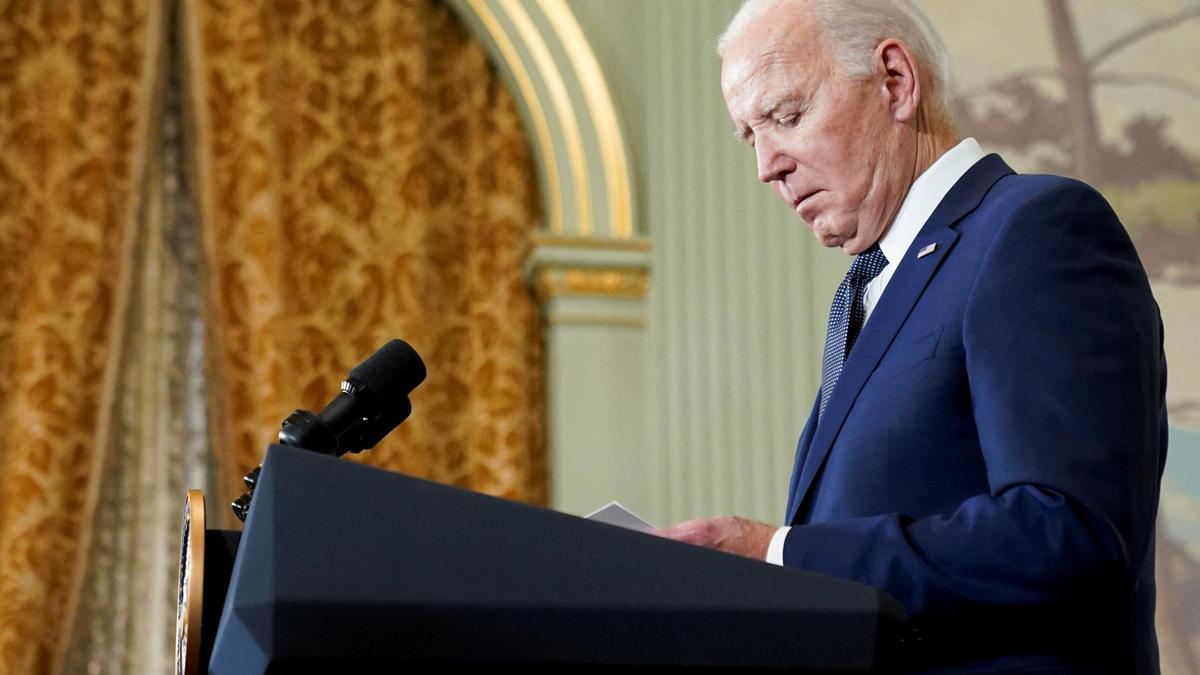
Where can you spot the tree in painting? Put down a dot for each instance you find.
(1147, 175)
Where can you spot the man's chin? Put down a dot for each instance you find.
(850, 245)
(829, 240)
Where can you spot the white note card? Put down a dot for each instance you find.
(613, 513)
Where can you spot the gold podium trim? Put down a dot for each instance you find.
(189, 610)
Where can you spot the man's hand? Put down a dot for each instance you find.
(725, 533)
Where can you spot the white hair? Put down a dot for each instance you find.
(852, 29)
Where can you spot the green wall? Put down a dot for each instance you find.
(739, 288)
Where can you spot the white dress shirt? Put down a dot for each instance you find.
(923, 197)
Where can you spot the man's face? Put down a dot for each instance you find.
(826, 143)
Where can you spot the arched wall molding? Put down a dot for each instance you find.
(579, 148)
(589, 265)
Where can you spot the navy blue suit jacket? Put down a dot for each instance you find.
(992, 452)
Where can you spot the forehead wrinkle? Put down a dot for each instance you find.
(786, 39)
(788, 89)
(777, 54)
(748, 85)
(772, 104)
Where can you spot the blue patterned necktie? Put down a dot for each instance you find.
(846, 317)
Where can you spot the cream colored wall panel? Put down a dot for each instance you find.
(739, 290)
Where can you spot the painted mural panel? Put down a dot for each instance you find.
(1108, 92)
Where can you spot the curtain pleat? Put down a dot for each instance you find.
(159, 446)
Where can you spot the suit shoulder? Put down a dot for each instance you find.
(1020, 191)
(1025, 216)
(1048, 207)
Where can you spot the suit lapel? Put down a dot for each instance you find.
(902, 293)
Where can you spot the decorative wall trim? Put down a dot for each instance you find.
(557, 241)
(540, 49)
(504, 51)
(586, 320)
(552, 76)
(600, 105)
(610, 282)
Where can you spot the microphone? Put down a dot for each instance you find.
(372, 402)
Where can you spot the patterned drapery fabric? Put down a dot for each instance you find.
(362, 174)
(158, 447)
(76, 85)
(359, 173)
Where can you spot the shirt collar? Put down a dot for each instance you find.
(926, 193)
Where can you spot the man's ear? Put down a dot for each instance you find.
(901, 79)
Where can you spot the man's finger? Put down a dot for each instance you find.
(691, 532)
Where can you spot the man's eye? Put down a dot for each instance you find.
(789, 121)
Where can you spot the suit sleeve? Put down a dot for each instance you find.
(1063, 355)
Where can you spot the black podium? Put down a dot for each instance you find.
(345, 568)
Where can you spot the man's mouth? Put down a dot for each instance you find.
(799, 201)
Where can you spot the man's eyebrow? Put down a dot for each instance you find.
(772, 106)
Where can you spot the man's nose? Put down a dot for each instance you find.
(773, 165)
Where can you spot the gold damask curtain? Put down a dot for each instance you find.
(362, 174)
(359, 173)
(76, 84)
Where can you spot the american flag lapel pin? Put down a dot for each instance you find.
(927, 250)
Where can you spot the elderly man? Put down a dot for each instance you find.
(990, 431)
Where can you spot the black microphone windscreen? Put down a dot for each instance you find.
(394, 370)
